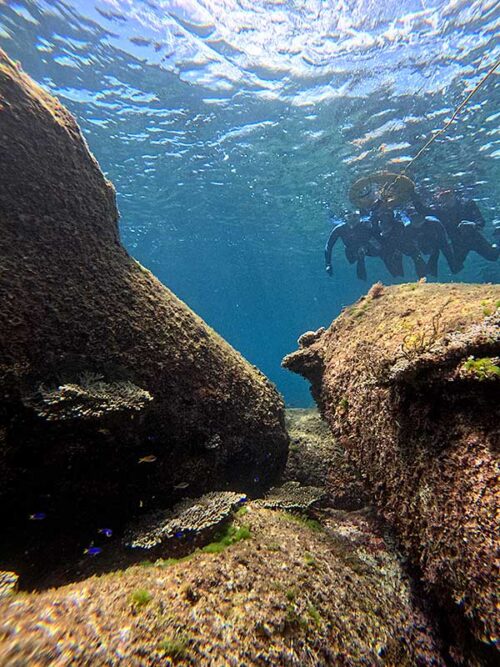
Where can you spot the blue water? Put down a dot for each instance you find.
(231, 128)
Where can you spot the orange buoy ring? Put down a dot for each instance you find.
(394, 189)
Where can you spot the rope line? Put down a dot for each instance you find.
(445, 126)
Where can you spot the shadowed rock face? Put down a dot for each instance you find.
(420, 420)
(316, 459)
(83, 321)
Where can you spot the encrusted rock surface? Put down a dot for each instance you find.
(190, 517)
(290, 595)
(388, 377)
(315, 458)
(8, 583)
(72, 302)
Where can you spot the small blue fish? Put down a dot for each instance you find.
(105, 531)
(256, 479)
(179, 534)
(242, 501)
(38, 516)
(93, 551)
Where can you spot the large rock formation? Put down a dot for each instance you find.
(276, 590)
(100, 364)
(408, 379)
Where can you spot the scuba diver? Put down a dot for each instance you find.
(462, 221)
(389, 230)
(430, 237)
(356, 234)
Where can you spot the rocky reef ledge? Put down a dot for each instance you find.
(408, 379)
(275, 589)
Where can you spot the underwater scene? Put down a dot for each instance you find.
(250, 332)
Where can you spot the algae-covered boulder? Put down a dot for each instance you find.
(114, 394)
(284, 593)
(408, 379)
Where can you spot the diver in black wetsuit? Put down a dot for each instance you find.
(357, 237)
(462, 221)
(389, 230)
(430, 236)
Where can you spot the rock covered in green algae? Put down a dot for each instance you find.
(289, 595)
(315, 458)
(388, 375)
(72, 301)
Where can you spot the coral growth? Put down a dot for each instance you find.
(91, 399)
(191, 516)
(291, 496)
